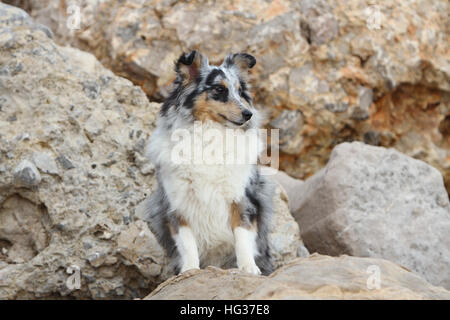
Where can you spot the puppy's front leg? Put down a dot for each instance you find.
(245, 242)
(187, 247)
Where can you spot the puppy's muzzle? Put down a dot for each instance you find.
(247, 114)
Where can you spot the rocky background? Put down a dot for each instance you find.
(78, 102)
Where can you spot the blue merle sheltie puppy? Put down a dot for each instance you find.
(210, 214)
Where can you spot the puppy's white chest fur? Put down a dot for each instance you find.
(203, 193)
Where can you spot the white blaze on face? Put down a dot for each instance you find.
(232, 79)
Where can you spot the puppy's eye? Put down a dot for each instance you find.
(219, 89)
(240, 91)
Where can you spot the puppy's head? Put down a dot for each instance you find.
(216, 93)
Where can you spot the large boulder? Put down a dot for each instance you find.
(375, 202)
(289, 184)
(328, 71)
(284, 237)
(72, 172)
(315, 277)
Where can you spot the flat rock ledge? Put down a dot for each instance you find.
(314, 277)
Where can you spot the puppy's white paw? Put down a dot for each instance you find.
(187, 267)
(250, 268)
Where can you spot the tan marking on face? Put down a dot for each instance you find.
(210, 109)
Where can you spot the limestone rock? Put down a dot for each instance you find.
(315, 277)
(375, 202)
(290, 185)
(136, 245)
(284, 238)
(77, 212)
(45, 163)
(314, 56)
(24, 229)
(26, 174)
(288, 122)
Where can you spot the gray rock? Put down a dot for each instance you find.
(319, 24)
(92, 89)
(96, 259)
(23, 229)
(375, 202)
(290, 124)
(359, 114)
(45, 163)
(336, 107)
(302, 252)
(14, 17)
(365, 99)
(65, 162)
(26, 174)
(288, 190)
(323, 29)
(291, 185)
(284, 237)
(45, 231)
(372, 137)
(315, 277)
(18, 17)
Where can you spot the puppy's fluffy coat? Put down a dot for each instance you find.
(215, 214)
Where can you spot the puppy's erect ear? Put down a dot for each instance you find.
(243, 61)
(190, 65)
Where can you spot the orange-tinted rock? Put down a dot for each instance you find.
(375, 73)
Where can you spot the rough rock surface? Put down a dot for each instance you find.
(375, 202)
(72, 172)
(291, 186)
(71, 136)
(315, 277)
(284, 238)
(328, 71)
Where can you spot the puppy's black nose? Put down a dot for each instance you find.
(246, 114)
